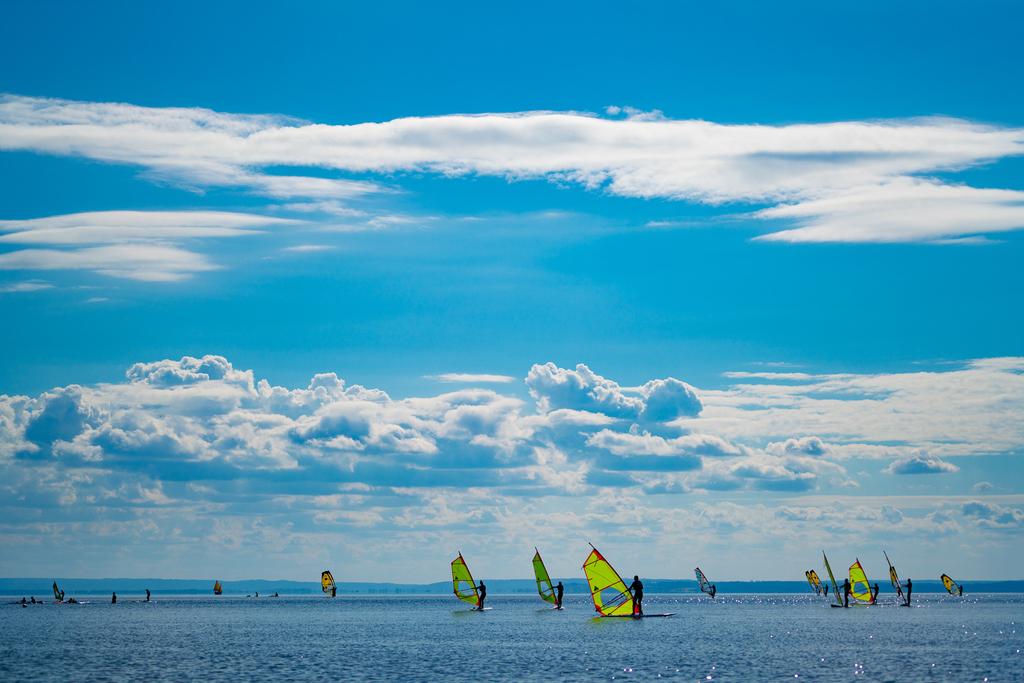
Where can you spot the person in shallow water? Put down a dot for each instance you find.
(147, 595)
(910, 589)
(846, 592)
(559, 589)
(483, 595)
(637, 590)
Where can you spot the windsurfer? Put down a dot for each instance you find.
(334, 591)
(826, 588)
(113, 598)
(714, 590)
(483, 595)
(637, 590)
(910, 588)
(846, 592)
(147, 595)
(559, 589)
(874, 592)
(960, 589)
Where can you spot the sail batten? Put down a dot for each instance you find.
(544, 587)
(607, 590)
(462, 582)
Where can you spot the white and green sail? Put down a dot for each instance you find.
(544, 587)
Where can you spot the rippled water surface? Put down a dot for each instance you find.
(736, 638)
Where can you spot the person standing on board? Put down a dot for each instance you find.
(846, 592)
(483, 596)
(910, 588)
(147, 595)
(637, 590)
(113, 598)
(559, 589)
(874, 592)
(960, 590)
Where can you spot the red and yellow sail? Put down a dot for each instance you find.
(462, 582)
(610, 595)
(860, 589)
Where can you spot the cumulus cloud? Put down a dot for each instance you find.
(993, 515)
(583, 389)
(843, 181)
(806, 445)
(921, 463)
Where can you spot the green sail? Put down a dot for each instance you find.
(544, 587)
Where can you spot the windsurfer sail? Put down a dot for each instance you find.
(610, 595)
(463, 584)
(705, 585)
(894, 579)
(544, 587)
(58, 594)
(951, 586)
(327, 583)
(812, 578)
(217, 588)
(860, 589)
(832, 578)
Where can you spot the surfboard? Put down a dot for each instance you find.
(638, 616)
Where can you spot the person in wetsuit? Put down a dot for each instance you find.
(637, 590)
(559, 589)
(483, 595)
(960, 590)
(113, 598)
(714, 590)
(826, 589)
(846, 592)
(910, 589)
(334, 591)
(874, 592)
(147, 595)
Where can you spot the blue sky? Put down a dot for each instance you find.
(783, 242)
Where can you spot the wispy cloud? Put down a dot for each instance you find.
(143, 262)
(25, 286)
(843, 181)
(472, 378)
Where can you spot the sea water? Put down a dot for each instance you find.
(431, 638)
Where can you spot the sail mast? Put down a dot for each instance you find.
(835, 586)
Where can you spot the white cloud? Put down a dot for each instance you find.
(105, 227)
(920, 463)
(145, 262)
(843, 181)
(25, 286)
(903, 210)
(471, 378)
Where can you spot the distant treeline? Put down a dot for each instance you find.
(73, 587)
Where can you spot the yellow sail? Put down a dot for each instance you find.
(894, 578)
(544, 587)
(835, 586)
(950, 585)
(812, 578)
(327, 583)
(462, 582)
(610, 595)
(860, 589)
(217, 588)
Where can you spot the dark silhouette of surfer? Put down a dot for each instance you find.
(334, 591)
(826, 588)
(637, 590)
(147, 595)
(910, 589)
(559, 589)
(874, 592)
(960, 590)
(483, 596)
(846, 592)
(714, 590)
(113, 598)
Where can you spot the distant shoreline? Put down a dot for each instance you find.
(41, 587)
